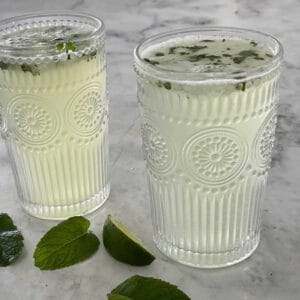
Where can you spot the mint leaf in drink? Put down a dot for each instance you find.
(66, 244)
(254, 44)
(147, 288)
(60, 46)
(242, 55)
(152, 62)
(3, 66)
(11, 241)
(67, 47)
(33, 69)
(195, 48)
(70, 46)
(241, 86)
(167, 85)
(248, 53)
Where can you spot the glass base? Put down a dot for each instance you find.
(207, 260)
(66, 211)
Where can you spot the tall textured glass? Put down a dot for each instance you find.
(54, 111)
(207, 137)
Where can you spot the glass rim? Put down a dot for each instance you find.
(200, 77)
(13, 22)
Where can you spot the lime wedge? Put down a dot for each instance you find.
(123, 245)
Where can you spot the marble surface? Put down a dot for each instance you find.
(273, 272)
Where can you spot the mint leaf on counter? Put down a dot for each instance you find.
(11, 240)
(147, 288)
(66, 244)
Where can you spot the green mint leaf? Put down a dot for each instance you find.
(117, 297)
(152, 62)
(167, 85)
(241, 86)
(3, 66)
(70, 46)
(66, 244)
(147, 288)
(11, 241)
(195, 58)
(172, 50)
(238, 59)
(195, 48)
(254, 44)
(60, 46)
(33, 69)
(247, 53)
(242, 55)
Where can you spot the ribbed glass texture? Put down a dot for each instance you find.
(55, 125)
(207, 142)
(207, 160)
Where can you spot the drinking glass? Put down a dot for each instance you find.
(54, 111)
(207, 140)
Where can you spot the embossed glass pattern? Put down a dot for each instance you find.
(54, 112)
(207, 146)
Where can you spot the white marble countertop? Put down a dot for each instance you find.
(273, 272)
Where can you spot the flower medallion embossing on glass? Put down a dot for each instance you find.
(265, 140)
(34, 122)
(86, 111)
(157, 149)
(215, 156)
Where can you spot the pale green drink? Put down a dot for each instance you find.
(208, 110)
(54, 112)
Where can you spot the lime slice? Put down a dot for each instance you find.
(123, 245)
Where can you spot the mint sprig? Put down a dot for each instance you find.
(66, 244)
(11, 241)
(147, 288)
(67, 47)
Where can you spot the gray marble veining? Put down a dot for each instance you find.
(273, 272)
